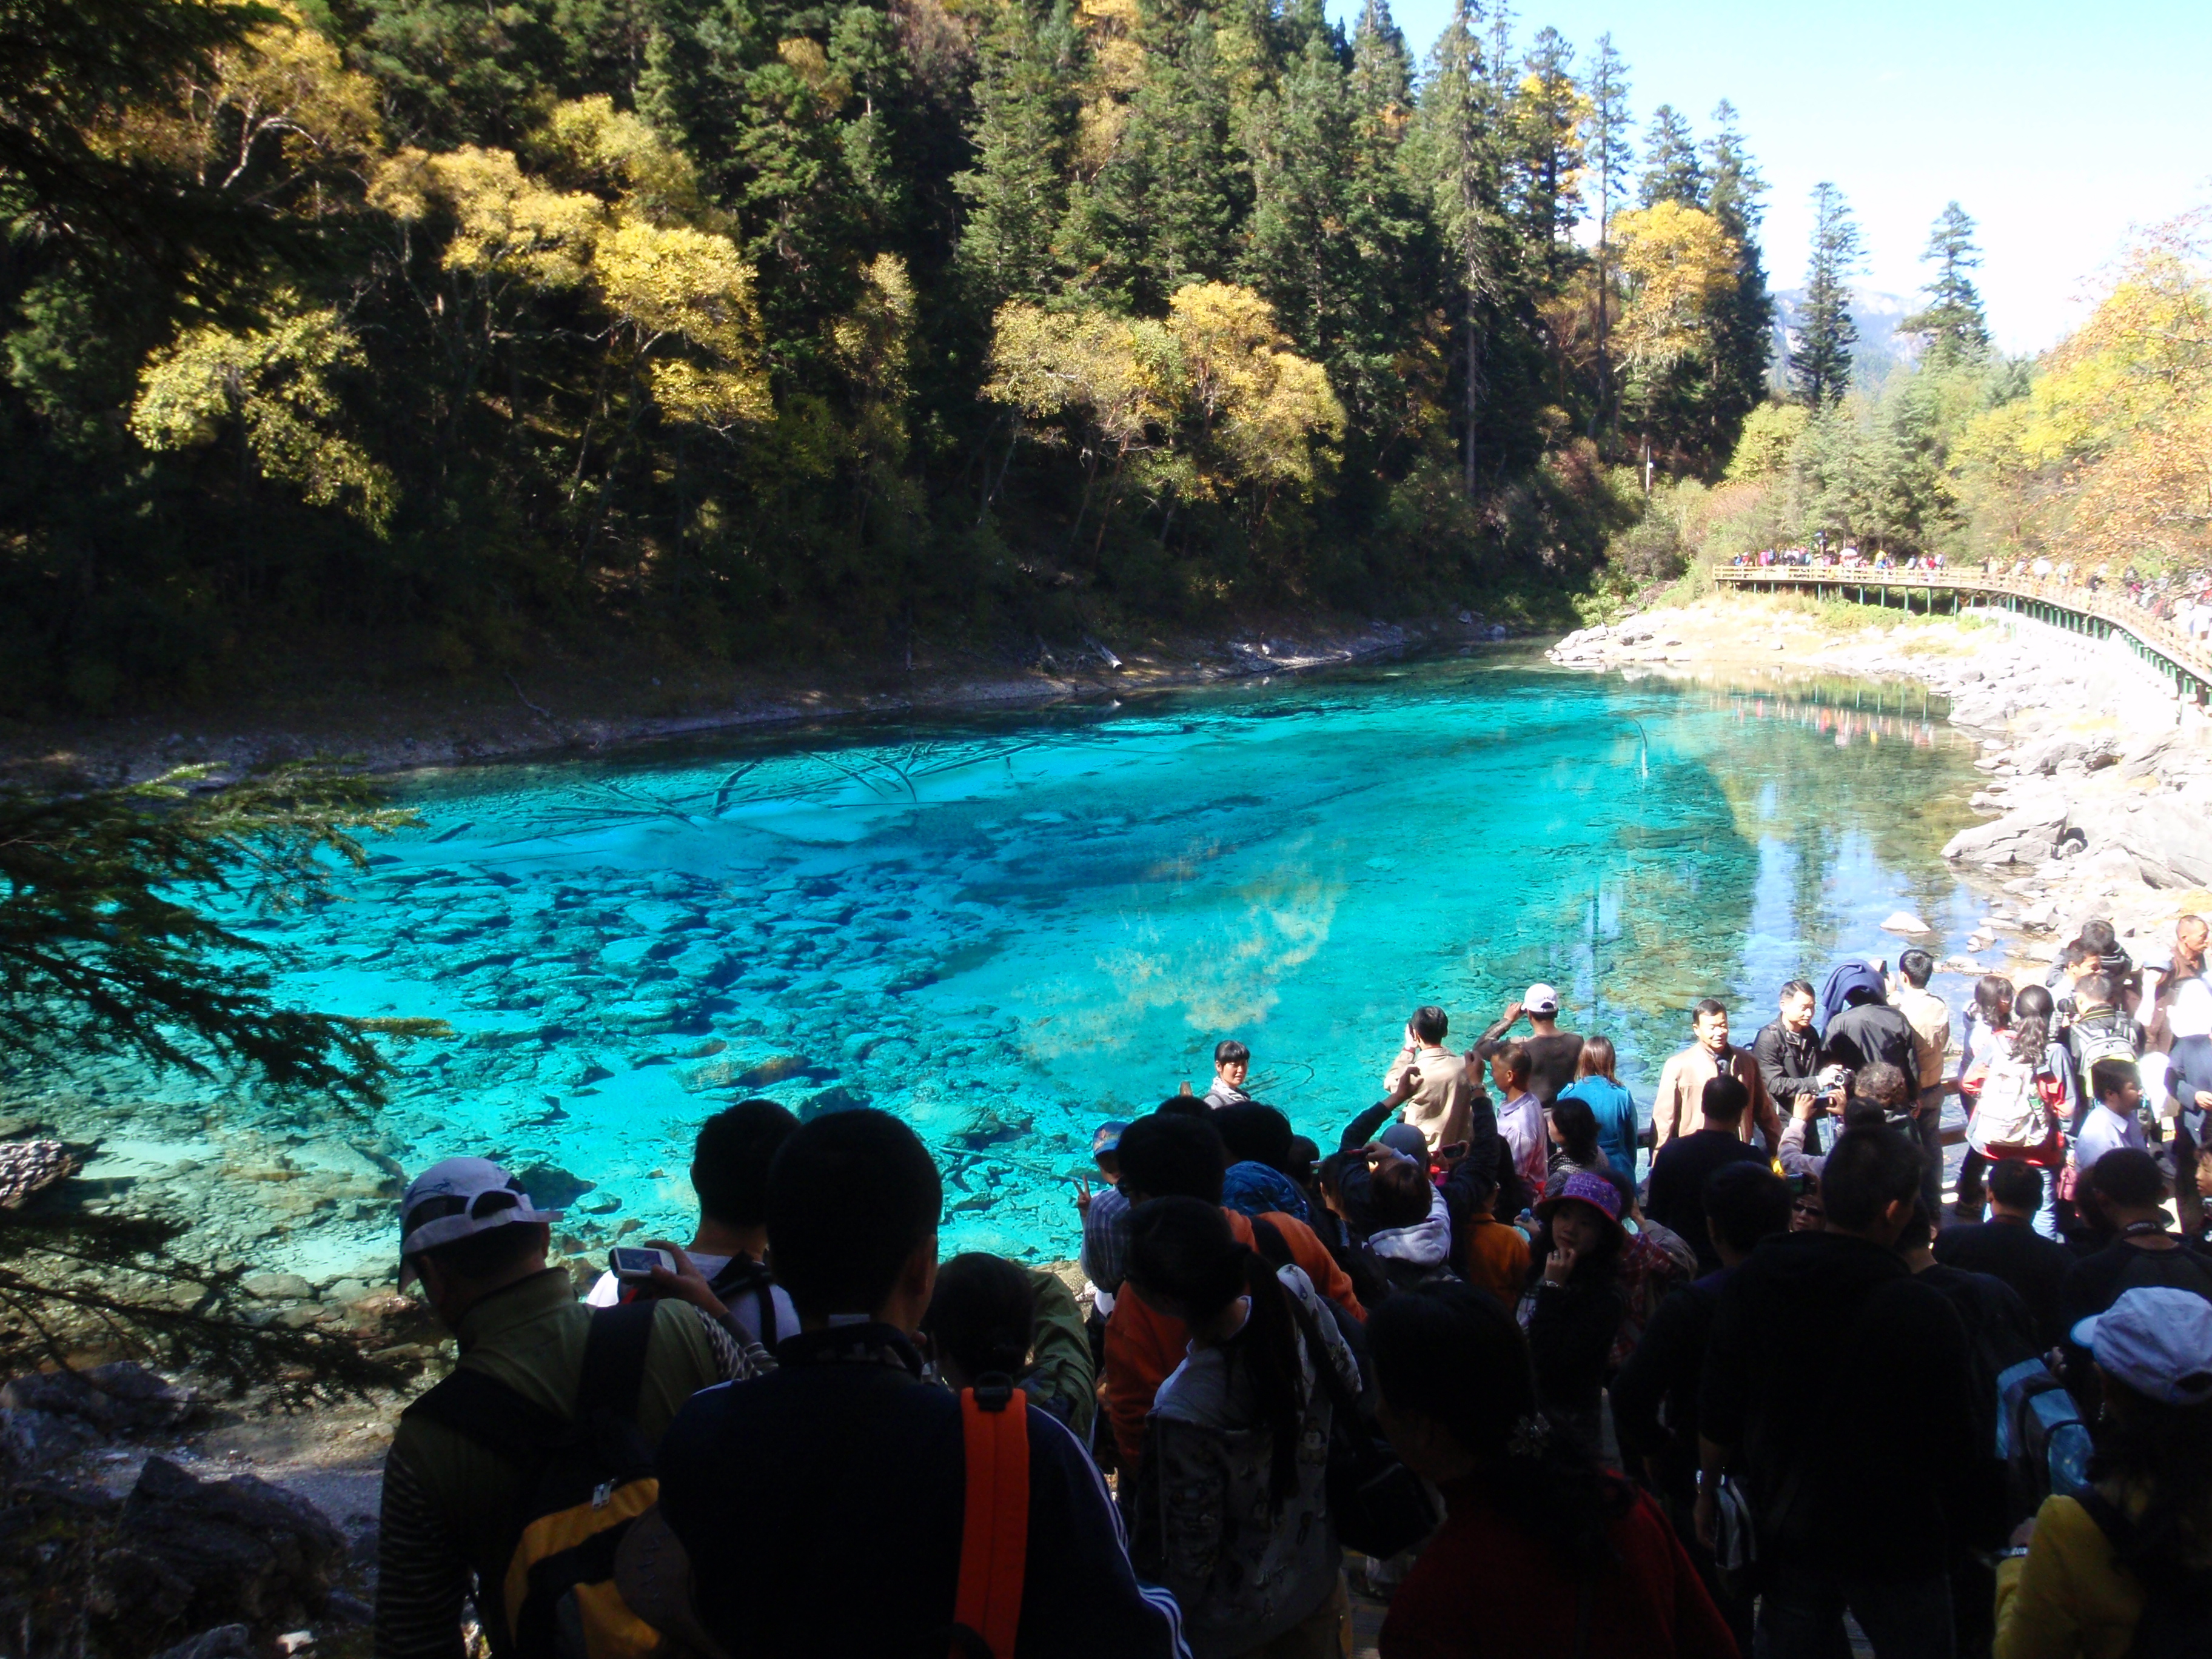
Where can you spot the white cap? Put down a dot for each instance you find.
(1541, 999)
(2156, 1339)
(446, 1202)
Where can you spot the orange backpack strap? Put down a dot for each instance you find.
(994, 1539)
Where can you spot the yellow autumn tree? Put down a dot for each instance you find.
(1270, 412)
(1678, 263)
(2110, 453)
(272, 385)
(271, 119)
(682, 305)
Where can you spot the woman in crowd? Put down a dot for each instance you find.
(1573, 1307)
(2126, 1566)
(1231, 1507)
(1572, 1127)
(1988, 1032)
(1610, 1103)
(1593, 1569)
(2024, 1092)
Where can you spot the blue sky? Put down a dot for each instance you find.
(2057, 127)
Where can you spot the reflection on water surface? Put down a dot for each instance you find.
(1008, 929)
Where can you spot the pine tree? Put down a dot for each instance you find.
(1460, 163)
(1953, 319)
(1606, 153)
(1744, 341)
(1393, 241)
(1298, 255)
(1671, 173)
(1017, 192)
(1548, 162)
(1821, 363)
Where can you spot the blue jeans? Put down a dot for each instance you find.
(1802, 1615)
(1929, 1127)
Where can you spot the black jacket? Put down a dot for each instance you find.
(1789, 1060)
(1859, 1036)
(1827, 1329)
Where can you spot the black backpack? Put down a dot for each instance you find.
(2177, 1615)
(741, 1277)
(586, 1479)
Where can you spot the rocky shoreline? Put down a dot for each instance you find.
(2098, 790)
(561, 708)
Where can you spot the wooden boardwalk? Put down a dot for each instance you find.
(2099, 613)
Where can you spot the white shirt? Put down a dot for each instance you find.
(1522, 1123)
(2188, 1005)
(608, 1291)
(2104, 1130)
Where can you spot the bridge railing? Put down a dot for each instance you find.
(2188, 660)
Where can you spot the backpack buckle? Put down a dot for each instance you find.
(602, 1494)
(994, 1391)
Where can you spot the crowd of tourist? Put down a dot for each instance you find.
(1549, 1379)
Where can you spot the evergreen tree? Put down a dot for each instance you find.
(1953, 319)
(1820, 363)
(1378, 367)
(1017, 192)
(1548, 155)
(1460, 163)
(1744, 338)
(1382, 74)
(1671, 173)
(1607, 153)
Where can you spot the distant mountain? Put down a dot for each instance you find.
(1880, 349)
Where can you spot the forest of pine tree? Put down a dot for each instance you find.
(738, 328)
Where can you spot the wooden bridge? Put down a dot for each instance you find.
(2101, 613)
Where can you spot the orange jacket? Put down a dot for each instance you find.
(1143, 1347)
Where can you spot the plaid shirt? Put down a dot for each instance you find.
(1106, 1239)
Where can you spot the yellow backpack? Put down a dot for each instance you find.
(587, 1478)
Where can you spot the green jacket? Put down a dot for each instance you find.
(452, 1509)
(1060, 1354)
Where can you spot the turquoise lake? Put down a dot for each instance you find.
(1008, 929)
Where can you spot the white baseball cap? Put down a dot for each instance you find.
(2156, 1339)
(459, 1198)
(1541, 999)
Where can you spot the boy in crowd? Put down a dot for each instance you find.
(1520, 1119)
(772, 1495)
(729, 1174)
(1232, 1064)
(1430, 1082)
(2112, 1122)
(1105, 1218)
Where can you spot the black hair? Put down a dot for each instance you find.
(2146, 1445)
(1186, 1106)
(1993, 998)
(1795, 988)
(2031, 1035)
(1724, 1099)
(1883, 1083)
(1518, 1063)
(1183, 1249)
(1431, 1023)
(981, 1314)
(1744, 1203)
(1251, 1133)
(1450, 1352)
(2078, 952)
(1870, 1170)
(730, 1160)
(1229, 1051)
(850, 1197)
(2129, 1177)
(1859, 996)
(1710, 1005)
(2016, 1184)
(2110, 1076)
(1917, 965)
(2093, 988)
(1303, 1152)
(2098, 935)
(1399, 1194)
(1577, 1126)
(1170, 1156)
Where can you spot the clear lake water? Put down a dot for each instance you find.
(1008, 928)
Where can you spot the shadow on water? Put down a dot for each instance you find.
(1007, 928)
